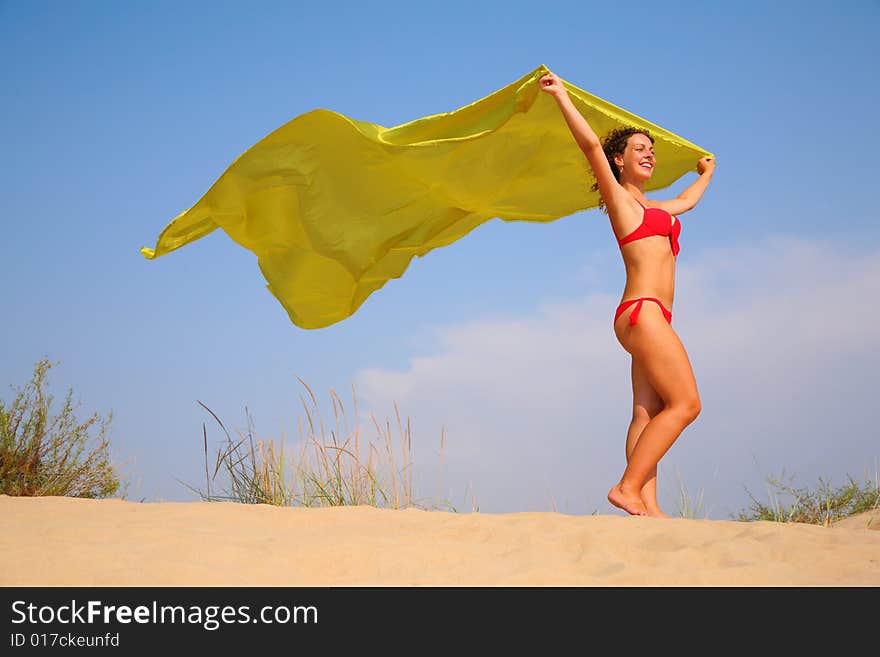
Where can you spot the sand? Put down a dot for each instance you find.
(59, 541)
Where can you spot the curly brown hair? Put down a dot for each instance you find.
(614, 144)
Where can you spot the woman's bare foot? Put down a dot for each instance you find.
(631, 503)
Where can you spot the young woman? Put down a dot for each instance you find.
(665, 397)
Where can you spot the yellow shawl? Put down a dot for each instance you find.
(334, 207)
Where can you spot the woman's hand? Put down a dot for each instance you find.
(705, 164)
(552, 85)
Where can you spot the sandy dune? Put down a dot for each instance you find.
(56, 541)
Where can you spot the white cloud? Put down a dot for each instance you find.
(782, 334)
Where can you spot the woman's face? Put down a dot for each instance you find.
(637, 162)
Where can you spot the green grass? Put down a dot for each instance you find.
(689, 505)
(331, 466)
(42, 454)
(823, 504)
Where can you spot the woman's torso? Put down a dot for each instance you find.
(648, 254)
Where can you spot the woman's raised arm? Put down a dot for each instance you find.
(584, 135)
(694, 192)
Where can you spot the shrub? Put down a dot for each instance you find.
(325, 471)
(822, 506)
(42, 455)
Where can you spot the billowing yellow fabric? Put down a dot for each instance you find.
(334, 207)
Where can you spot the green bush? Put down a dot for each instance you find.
(325, 470)
(42, 455)
(822, 505)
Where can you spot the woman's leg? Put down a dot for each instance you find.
(646, 404)
(665, 365)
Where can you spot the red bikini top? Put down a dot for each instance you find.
(656, 222)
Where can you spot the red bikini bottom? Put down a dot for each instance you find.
(634, 316)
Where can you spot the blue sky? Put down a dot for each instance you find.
(118, 116)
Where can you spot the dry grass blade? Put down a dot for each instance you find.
(327, 470)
